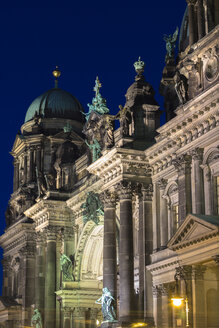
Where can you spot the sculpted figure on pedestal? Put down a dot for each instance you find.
(107, 301)
(95, 148)
(124, 116)
(170, 44)
(36, 320)
(181, 87)
(66, 268)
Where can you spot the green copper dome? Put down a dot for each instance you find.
(55, 103)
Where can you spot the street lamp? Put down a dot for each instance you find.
(178, 300)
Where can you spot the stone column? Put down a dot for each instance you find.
(145, 250)
(50, 283)
(197, 182)
(201, 20)
(156, 229)
(157, 306)
(16, 175)
(79, 318)
(163, 215)
(66, 317)
(7, 277)
(25, 168)
(205, 4)
(208, 190)
(27, 255)
(192, 21)
(109, 244)
(38, 158)
(40, 274)
(199, 315)
(183, 167)
(165, 308)
(126, 262)
(30, 168)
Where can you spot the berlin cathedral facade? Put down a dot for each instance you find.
(133, 211)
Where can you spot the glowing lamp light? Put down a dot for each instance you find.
(97, 322)
(139, 324)
(177, 301)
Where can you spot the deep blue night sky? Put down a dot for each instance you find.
(85, 38)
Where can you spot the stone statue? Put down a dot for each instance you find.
(98, 102)
(41, 182)
(36, 320)
(181, 87)
(109, 128)
(66, 268)
(95, 148)
(124, 119)
(92, 207)
(170, 44)
(107, 301)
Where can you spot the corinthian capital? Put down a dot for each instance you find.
(109, 199)
(125, 190)
(197, 153)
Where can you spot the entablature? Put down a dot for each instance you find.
(121, 164)
(50, 212)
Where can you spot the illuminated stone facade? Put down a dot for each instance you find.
(134, 209)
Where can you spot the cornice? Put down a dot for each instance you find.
(50, 212)
(121, 164)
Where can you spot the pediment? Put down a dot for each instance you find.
(194, 229)
(19, 141)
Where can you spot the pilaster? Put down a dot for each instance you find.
(197, 182)
(183, 167)
(163, 214)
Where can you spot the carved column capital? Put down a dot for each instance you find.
(156, 290)
(197, 154)
(146, 192)
(125, 190)
(198, 272)
(162, 183)
(183, 273)
(108, 199)
(51, 233)
(216, 259)
(182, 164)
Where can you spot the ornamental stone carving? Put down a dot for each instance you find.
(108, 198)
(125, 190)
(197, 154)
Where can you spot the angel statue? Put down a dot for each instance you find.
(170, 43)
(36, 320)
(107, 301)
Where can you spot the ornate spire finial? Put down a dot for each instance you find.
(139, 66)
(56, 73)
(97, 86)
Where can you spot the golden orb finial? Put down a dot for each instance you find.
(56, 73)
